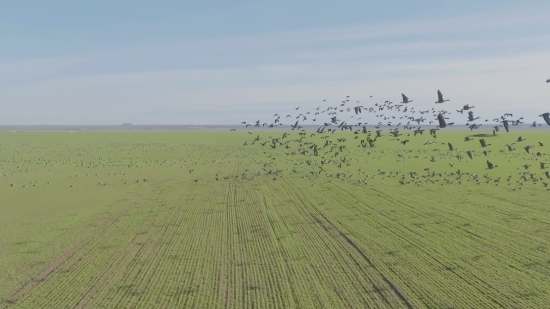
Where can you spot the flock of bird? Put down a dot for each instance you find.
(314, 154)
(410, 122)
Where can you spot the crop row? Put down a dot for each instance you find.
(439, 238)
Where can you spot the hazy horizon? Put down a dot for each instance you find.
(242, 128)
(167, 63)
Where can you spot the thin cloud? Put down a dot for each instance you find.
(214, 78)
(531, 17)
(504, 80)
(30, 69)
(487, 60)
(474, 25)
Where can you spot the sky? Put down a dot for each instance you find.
(223, 62)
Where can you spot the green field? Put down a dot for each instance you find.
(199, 220)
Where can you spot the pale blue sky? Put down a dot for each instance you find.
(207, 62)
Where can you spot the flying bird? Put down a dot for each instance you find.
(405, 99)
(546, 117)
(483, 143)
(441, 120)
(506, 125)
(471, 116)
(440, 97)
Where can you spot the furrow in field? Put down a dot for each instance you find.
(54, 243)
(277, 230)
(219, 246)
(444, 233)
(271, 257)
(213, 243)
(434, 257)
(79, 273)
(338, 211)
(154, 255)
(53, 266)
(263, 256)
(390, 290)
(499, 237)
(113, 244)
(307, 275)
(233, 220)
(361, 283)
(157, 213)
(506, 249)
(226, 275)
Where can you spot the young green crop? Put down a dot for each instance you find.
(219, 224)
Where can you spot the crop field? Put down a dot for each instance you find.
(201, 220)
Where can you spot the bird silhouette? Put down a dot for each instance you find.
(546, 117)
(405, 99)
(440, 97)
